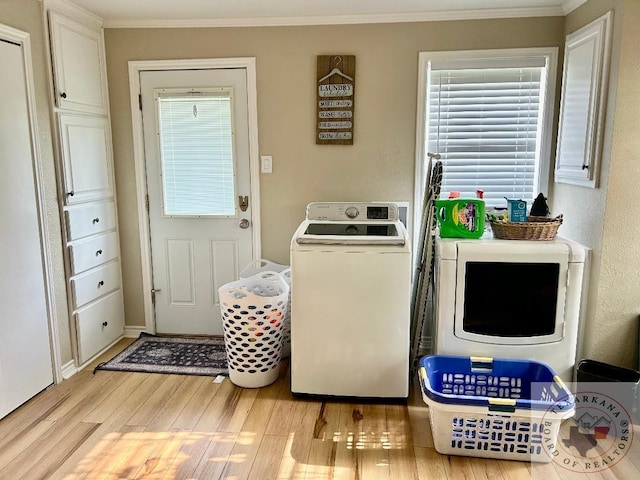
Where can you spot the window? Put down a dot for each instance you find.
(488, 115)
(196, 148)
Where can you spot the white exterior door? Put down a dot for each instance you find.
(25, 352)
(196, 138)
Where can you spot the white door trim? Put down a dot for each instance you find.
(135, 67)
(23, 39)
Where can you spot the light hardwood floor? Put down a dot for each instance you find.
(116, 425)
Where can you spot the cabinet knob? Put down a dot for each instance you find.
(96, 220)
(63, 95)
(585, 166)
(100, 283)
(70, 193)
(104, 324)
(98, 252)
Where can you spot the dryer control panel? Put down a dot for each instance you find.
(349, 212)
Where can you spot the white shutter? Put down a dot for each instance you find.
(486, 124)
(196, 148)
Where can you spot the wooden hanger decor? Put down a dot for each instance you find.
(335, 99)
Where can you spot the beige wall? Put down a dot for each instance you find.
(602, 218)
(26, 15)
(616, 335)
(380, 164)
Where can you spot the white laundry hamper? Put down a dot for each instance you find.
(253, 311)
(262, 265)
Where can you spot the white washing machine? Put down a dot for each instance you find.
(350, 301)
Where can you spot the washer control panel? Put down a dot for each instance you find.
(345, 212)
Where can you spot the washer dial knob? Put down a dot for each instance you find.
(351, 212)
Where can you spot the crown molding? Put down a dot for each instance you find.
(71, 9)
(570, 5)
(480, 14)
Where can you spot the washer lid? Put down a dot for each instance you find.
(356, 233)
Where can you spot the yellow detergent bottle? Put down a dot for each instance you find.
(460, 217)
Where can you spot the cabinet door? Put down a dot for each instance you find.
(583, 103)
(87, 159)
(78, 65)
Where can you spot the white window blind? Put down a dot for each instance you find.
(484, 119)
(196, 147)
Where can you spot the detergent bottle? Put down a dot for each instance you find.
(460, 217)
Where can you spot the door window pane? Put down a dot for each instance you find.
(196, 149)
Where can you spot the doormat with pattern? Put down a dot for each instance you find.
(177, 355)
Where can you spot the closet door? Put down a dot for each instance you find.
(25, 353)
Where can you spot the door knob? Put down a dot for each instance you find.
(244, 223)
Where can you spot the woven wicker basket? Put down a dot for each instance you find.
(535, 228)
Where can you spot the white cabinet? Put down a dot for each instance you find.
(94, 251)
(87, 159)
(87, 179)
(90, 219)
(95, 282)
(91, 285)
(77, 52)
(583, 103)
(99, 324)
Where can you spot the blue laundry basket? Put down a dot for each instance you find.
(493, 408)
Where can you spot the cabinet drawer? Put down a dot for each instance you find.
(90, 219)
(91, 253)
(95, 283)
(99, 324)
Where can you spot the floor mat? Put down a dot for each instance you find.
(177, 355)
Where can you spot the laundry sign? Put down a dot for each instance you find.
(339, 90)
(335, 99)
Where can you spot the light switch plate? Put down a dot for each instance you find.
(266, 163)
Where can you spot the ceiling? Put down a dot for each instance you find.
(183, 13)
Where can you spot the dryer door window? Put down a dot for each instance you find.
(510, 299)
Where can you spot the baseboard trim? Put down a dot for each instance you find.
(69, 369)
(133, 332)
